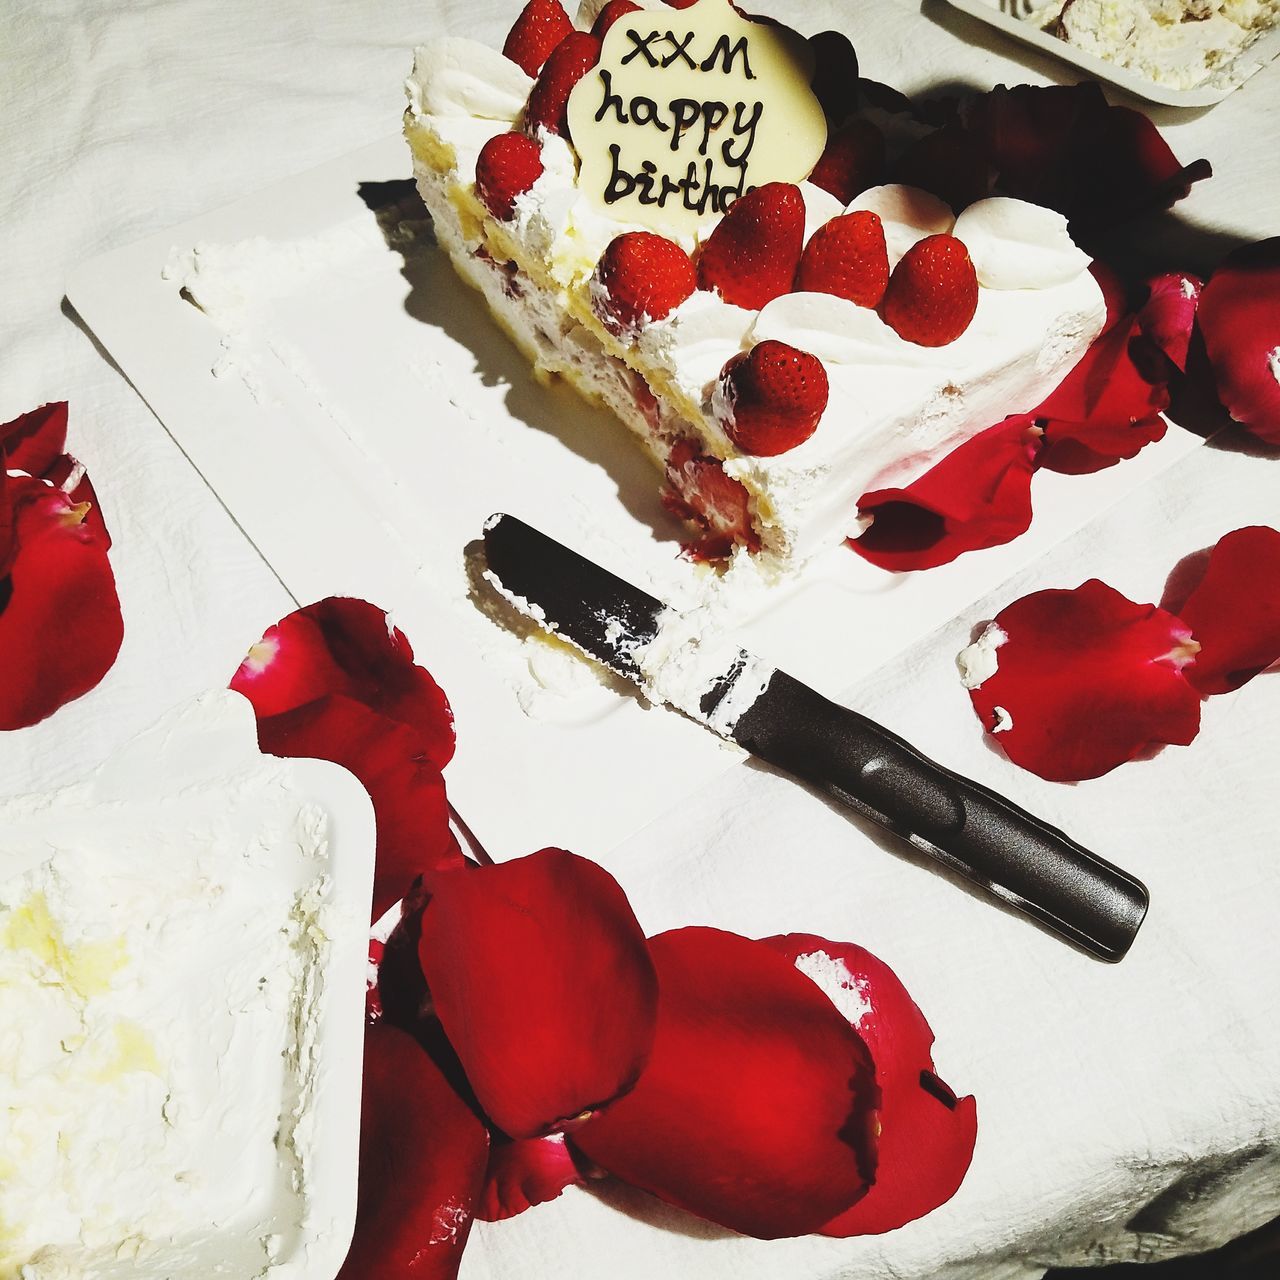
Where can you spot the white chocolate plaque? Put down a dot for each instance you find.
(688, 109)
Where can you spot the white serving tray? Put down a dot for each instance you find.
(384, 417)
(213, 740)
(1001, 14)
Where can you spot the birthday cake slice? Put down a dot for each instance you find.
(682, 212)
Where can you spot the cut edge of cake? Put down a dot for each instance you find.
(895, 408)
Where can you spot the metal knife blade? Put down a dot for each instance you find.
(604, 616)
(1023, 861)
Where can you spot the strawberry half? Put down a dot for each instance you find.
(640, 277)
(752, 255)
(932, 293)
(775, 394)
(571, 59)
(698, 490)
(852, 161)
(847, 257)
(610, 14)
(541, 26)
(507, 166)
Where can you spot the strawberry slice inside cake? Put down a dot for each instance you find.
(779, 350)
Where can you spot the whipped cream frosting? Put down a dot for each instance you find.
(159, 991)
(907, 214)
(454, 76)
(894, 407)
(468, 91)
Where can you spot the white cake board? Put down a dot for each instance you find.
(375, 416)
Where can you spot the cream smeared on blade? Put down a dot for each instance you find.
(692, 666)
(683, 659)
(685, 665)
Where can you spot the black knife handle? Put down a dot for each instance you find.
(988, 839)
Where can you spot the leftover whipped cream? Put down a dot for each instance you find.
(690, 656)
(551, 678)
(557, 679)
(160, 985)
(850, 993)
(977, 662)
(683, 660)
(234, 284)
(1179, 43)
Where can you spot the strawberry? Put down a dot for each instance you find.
(607, 16)
(507, 166)
(698, 490)
(847, 257)
(775, 395)
(541, 26)
(752, 255)
(852, 161)
(932, 293)
(640, 277)
(571, 59)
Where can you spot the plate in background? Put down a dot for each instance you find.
(1000, 14)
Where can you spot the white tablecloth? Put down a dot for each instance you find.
(1125, 1112)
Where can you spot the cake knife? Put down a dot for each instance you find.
(1016, 857)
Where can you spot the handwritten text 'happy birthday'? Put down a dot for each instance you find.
(718, 175)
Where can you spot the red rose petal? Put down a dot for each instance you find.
(1090, 680)
(543, 982)
(1064, 147)
(349, 647)
(1169, 314)
(1115, 293)
(885, 97)
(1239, 318)
(927, 1134)
(393, 765)
(8, 531)
(978, 496)
(289, 667)
(1131, 168)
(60, 623)
(1108, 407)
(1234, 612)
(422, 1161)
(373, 1008)
(950, 162)
(524, 1173)
(835, 75)
(756, 1106)
(69, 475)
(402, 996)
(33, 441)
